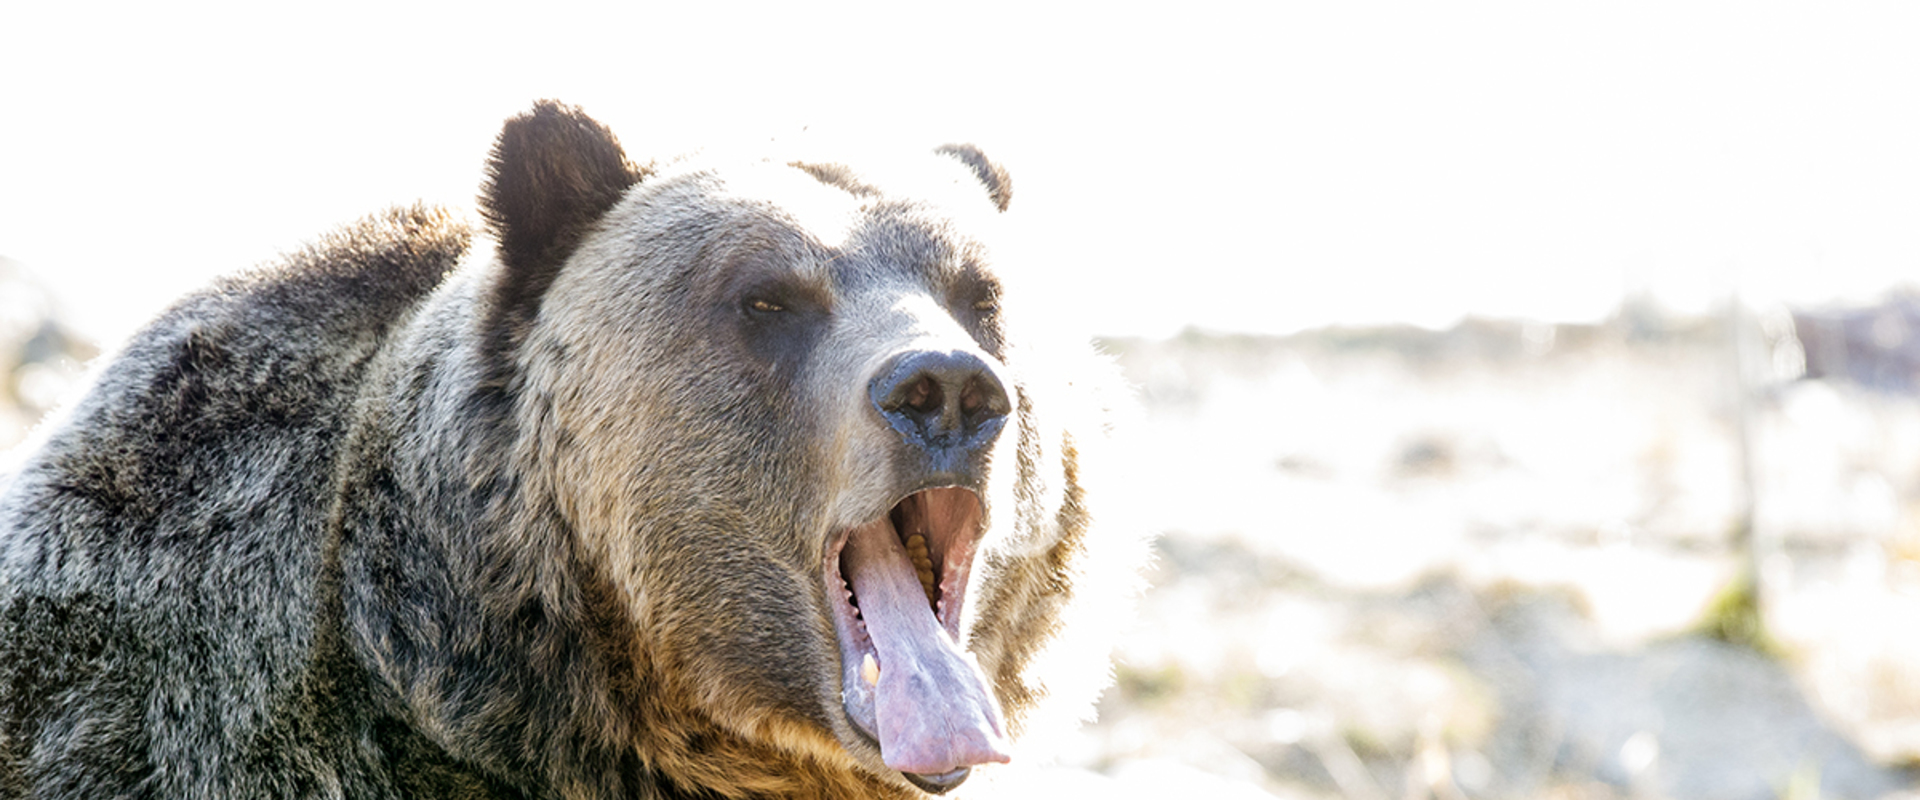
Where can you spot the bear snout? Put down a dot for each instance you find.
(950, 405)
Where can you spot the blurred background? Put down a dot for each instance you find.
(1529, 394)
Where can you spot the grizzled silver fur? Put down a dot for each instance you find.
(534, 511)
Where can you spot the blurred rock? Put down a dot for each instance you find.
(41, 357)
(1876, 346)
(1683, 717)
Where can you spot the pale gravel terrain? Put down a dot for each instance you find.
(1466, 564)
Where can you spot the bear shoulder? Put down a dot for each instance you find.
(187, 495)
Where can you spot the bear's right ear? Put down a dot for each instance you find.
(553, 173)
(999, 185)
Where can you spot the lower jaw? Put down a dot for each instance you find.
(939, 784)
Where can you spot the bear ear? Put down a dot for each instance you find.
(991, 175)
(554, 171)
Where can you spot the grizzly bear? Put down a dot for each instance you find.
(684, 480)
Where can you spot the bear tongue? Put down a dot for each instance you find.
(931, 705)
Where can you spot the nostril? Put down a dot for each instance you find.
(973, 398)
(923, 395)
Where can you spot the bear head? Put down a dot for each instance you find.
(796, 423)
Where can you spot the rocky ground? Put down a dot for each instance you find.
(1477, 563)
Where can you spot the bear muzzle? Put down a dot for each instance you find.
(897, 583)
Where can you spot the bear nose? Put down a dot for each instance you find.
(941, 400)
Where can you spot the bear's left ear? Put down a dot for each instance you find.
(554, 172)
(991, 175)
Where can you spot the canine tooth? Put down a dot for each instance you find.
(869, 670)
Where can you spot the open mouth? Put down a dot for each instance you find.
(896, 585)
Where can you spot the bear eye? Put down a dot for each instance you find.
(987, 306)
(765, 306)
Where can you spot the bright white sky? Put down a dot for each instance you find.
(1241, 166)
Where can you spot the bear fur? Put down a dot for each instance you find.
(560, 507)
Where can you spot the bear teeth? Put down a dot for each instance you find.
(853, 605)
(870, 670)
(923, 568)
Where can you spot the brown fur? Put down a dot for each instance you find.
(548, 514)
